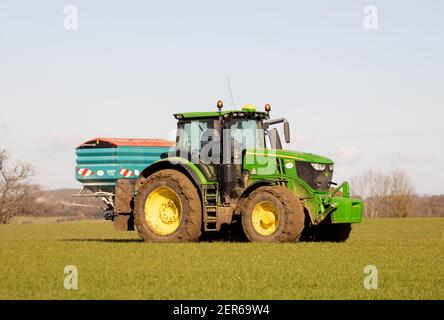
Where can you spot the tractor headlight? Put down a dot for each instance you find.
(331, 167)
(319, 166)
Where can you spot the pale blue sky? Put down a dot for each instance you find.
(369, 99)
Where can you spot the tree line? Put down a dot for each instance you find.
(385, 195)
(393, 195)
(19, 195)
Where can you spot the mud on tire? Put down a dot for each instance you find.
(190, 227)
(289, 209)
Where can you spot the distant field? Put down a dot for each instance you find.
(50, 219)
(409, 255)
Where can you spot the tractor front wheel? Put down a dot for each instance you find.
(339, 232)
(273, 214)
(167, 208)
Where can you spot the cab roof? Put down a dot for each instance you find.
(215, 114)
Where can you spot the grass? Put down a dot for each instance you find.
(409, 255)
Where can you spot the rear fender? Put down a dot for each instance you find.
(175, 163)
(126, 189)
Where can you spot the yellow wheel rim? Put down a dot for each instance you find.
(163, 211)
(265, 218)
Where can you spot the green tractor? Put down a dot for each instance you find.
(228, 173)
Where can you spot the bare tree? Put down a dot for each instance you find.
(401, 195)
(16, 190)
(373, 186)
(385, 195)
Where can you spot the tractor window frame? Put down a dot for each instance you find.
(211, 124)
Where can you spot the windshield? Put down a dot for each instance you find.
(247, 133)
(200, 139)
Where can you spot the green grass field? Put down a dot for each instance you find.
(409, 255)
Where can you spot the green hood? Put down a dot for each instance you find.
(296, 155)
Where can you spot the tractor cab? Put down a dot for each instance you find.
(217, 142)
(213, 138)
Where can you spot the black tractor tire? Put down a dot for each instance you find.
(327, 231)
(190, 228)
(338, 232)
(290, 212)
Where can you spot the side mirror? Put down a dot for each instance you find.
(287, 131)
(269, 123)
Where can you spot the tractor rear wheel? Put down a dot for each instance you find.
(168, 208)
(273, 214)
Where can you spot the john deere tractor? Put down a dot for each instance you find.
(228, 169)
